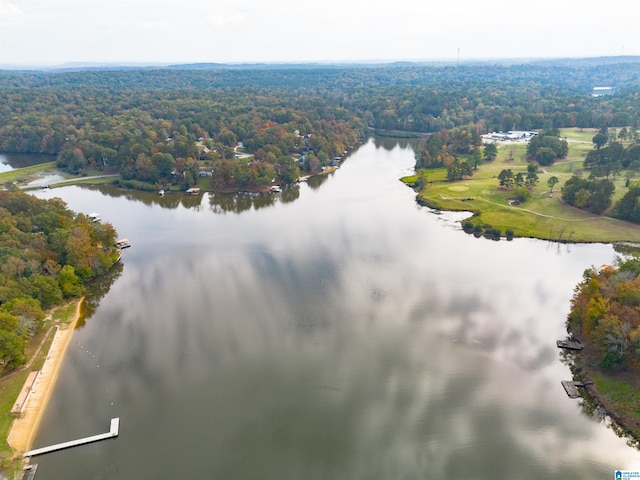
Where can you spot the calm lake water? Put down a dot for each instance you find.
(11, 161)
(333, 331)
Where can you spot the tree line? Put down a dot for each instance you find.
(159, 125)
(47, 254)
(166, 135)
(605, 313)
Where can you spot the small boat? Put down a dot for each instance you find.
(275, 188)
(193, 191)
(161, 193)
(123, 243)
(94, 217)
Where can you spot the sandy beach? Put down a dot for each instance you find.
(24, 428)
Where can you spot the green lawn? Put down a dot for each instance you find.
(544, 215)
(579, 135)
(623, 398)
(22, 174)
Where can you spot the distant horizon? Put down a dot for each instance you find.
(381, 62)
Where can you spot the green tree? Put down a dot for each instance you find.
(421, 179)
(600, 140)
(491, 150)
(70, 283)
(459, 170)
(531, 180)
(505, 177)
(552, 182)
(12, 347)
(545, 156)
(612, 337)
(163, 163)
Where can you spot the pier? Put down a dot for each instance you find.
(572, 387)
(112, 433)
(569, 345)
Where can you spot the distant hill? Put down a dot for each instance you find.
(546, 62)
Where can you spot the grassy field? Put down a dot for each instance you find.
(620, 398)
(25, 174)
(544, 215)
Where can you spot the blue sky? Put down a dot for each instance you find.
(52, 32)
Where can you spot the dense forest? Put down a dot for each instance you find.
(248, 126)
(605, 312)
(47, 255)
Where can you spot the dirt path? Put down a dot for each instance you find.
(24, 428)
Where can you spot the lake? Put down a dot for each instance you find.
(11, 161)
(333, 331)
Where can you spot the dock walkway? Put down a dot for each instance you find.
(113, 432)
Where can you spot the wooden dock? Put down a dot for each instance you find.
(572, 388)
(113, 432)
(569, 344)
(30, 472)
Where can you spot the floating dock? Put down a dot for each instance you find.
(569, 344)
(572, 388)
(113, 432)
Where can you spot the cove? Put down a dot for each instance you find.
(333, 331)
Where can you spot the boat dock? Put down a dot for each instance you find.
(572, 387)
(30, 472)
(112, 433)
(569, 344)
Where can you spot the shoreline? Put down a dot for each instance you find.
(24, 428)
(623, 424)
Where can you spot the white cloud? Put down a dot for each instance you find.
(288, 30)
(154, 25)
(225, 18)
(9, 12)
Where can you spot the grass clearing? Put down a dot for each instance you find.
(579, 134)
(26, 173)
(65, 313)
(543, 215)
(620, 397)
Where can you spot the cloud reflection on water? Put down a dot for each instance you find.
(342, 336)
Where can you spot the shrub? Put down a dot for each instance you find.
(467, 226)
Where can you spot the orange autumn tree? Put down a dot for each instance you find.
(605, 312)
